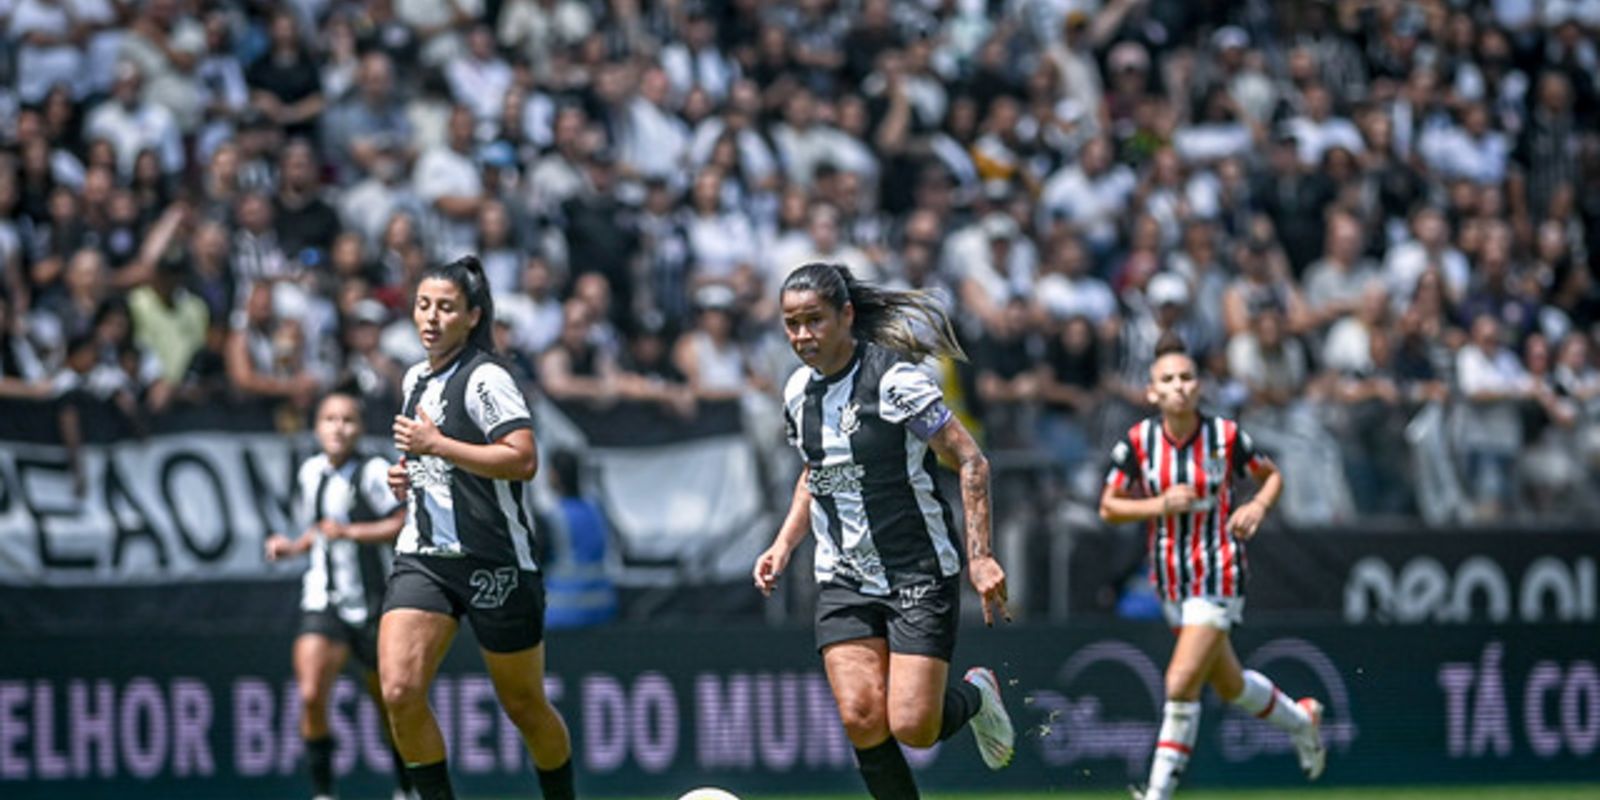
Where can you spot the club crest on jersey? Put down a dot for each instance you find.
(1216, 467)
(850, 419)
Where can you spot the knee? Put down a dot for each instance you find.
(403, 693)
(523, 707)
(1183, 683)
(313, 697)
(862, 718)
(915, 729)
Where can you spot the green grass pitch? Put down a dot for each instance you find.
(1522, 792)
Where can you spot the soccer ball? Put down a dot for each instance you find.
(708, 793)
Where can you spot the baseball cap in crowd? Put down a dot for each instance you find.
(714, 297)
(999, 225)
(1230, 37)
(369, 311)
(497, 154)
(1128, 55)
(1166, 288)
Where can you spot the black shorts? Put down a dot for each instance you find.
(361, 639)
(504, 604)
(919, 619)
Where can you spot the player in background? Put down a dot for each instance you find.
(466, 435)
(869, 425)
(1176, 471)
(350, 520)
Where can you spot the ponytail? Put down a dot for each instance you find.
(910, 322)
(466, 273)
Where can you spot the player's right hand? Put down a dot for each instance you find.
(398, 482)
(768, 567)
(1177, 499)
(279, 546)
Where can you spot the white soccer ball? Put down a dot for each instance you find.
(708, 793)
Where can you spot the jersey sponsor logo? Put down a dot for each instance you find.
(836, 479)
(897, 398)
(492, 587)
(861, 566)
(426, 472)
(491, 412)
(850, 419)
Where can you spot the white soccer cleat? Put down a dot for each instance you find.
(1308, 743)
(1135, 792)
(991, 726)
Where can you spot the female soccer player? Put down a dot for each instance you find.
(888, 560)
(1176, 470)
(467, 546)
(350, 520)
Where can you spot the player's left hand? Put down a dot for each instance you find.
(1246, 520)
(331, 530)
(989, 579)
(416, 436)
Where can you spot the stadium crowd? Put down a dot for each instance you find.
(1369, 217)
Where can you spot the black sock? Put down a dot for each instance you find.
(961, 701)
(556, 784)
(402, 776)
(432, 781)
(886, 772)
(319, 756)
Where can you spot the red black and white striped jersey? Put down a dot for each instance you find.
(1191, 554)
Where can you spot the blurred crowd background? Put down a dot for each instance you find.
(1369, 218)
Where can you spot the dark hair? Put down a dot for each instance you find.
(351, 393)
(564, 468)
(466, 273)
(886, 316)
(1170, 343)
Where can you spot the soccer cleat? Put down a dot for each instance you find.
(1135, 792)
(1308, 743)
(991, 726)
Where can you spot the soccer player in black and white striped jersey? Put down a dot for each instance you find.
(870, 426)
(1176, 470)
(467, 547)
(349, 519)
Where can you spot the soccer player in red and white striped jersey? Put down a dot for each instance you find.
(1176, 472)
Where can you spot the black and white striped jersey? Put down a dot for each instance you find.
(451, 511)
(345, 577)
(878, 518)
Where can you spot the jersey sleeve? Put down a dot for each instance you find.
(374, 486)
(495, 403)
(1125, 469)
(908, 396)
(1246, 458)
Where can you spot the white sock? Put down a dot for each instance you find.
(1180, 724)
(1261, 698)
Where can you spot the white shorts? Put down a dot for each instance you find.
(1221, 613)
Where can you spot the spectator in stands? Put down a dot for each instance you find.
(1069, 391)
(1336, 284)
(1494, 385)
(448, 180)
(132, 123)
(169, 320)
(302, 219)
(265, 357)
(714, 364)
(285, 85)
(574, 368)
(1007, 379)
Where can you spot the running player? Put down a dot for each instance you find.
(869, 424)
(467, 547)
(350, 520)
(1176, 471)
